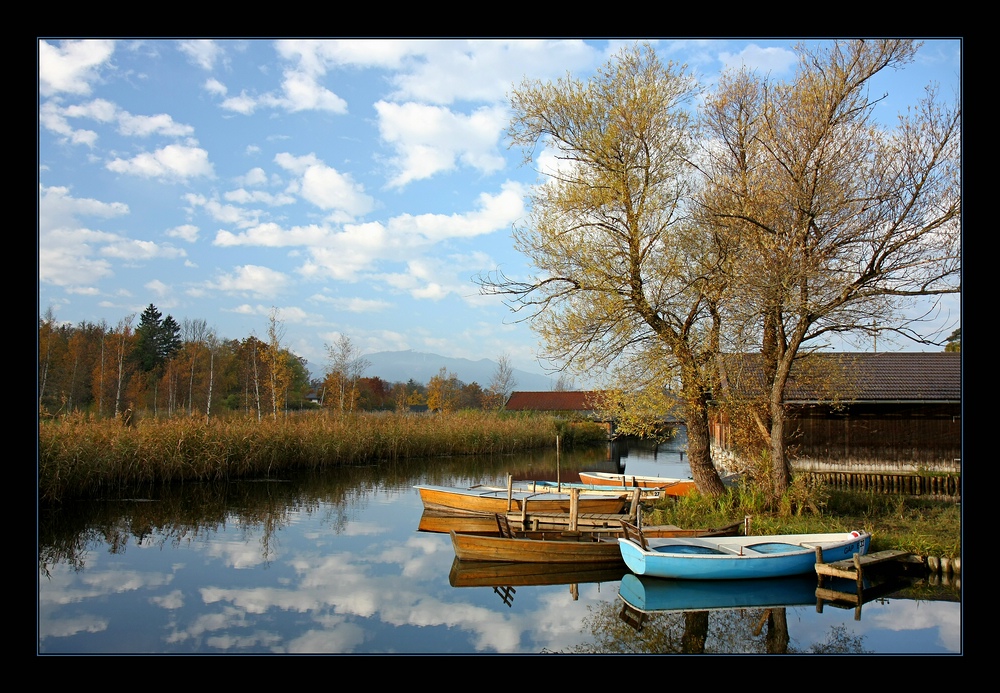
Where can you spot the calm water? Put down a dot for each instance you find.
(335, 564)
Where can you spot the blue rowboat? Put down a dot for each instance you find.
(737, 558)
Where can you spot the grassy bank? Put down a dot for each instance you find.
(80, 457)
(921, 526)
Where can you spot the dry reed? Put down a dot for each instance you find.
(83, 457)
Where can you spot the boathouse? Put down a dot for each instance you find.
(874, 411)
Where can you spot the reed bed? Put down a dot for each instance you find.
(79, 457)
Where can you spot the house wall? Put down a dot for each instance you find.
(895, 437)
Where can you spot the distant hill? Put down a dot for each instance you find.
(401, 366)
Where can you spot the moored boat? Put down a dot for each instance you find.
(494, 500)
(737, 558)
(559, 546)
(545, 486)
(668, 485)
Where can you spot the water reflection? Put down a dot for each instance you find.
(335, 563)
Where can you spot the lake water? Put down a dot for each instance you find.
(335, 564)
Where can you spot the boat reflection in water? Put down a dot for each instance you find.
(649, 594)
(504, 577)
(642, 595)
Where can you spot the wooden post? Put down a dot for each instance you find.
(510, 492)
(634, 507)
(558, 478)
(574, 508)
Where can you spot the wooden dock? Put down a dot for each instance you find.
(854, 569)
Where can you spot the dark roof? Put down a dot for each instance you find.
(576, 400)
(856, 377)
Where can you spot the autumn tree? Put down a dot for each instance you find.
(502, 383)
(123, 340)
(954, 341)
(835, 220)
(345, 366)
(278, 375)
(444, 391)
(620, 272)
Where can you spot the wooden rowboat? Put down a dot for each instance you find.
(494, 500)
(668, 485)
(508, 545)
(737, 558)
(646, 493)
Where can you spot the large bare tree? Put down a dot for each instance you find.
(840, 221)
(620, 275)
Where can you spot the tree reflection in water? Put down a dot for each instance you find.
(726, 631)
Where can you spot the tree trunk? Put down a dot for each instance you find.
(706, 476)
(781, 472)
(776, 640)
(695, 632)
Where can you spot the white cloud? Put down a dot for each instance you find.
(135, 250)
(71, 66)
(174, 161)
(326, 187)
(242, 196)
(303, 93)
(243, 104)
(214, 86)
(352, 304)
(186, 232)
(432, 139)
(57, 209)
(251, 279)
(157, 287)
(764, 60)
(227, 214)
(271, 235)
(201, 52)
(484, 70)
(143, 126)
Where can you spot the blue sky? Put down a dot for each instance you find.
(357, 186)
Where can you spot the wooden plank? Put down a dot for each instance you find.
(868, 559)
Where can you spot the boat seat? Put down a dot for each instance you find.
(738, 549)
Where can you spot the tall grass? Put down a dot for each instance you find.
(82, 457)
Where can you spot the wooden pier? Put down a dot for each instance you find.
(854, 569)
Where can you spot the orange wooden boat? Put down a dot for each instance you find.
(499, 501)
(668, 485)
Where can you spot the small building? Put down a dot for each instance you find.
(870, 410)
(580, 402)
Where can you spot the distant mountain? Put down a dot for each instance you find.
(401, 366)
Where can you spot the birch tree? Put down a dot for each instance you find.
(502, 383)
(345, 366)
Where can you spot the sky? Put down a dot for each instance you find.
(355, 187)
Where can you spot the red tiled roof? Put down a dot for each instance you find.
(577, 400)
(858, 377)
